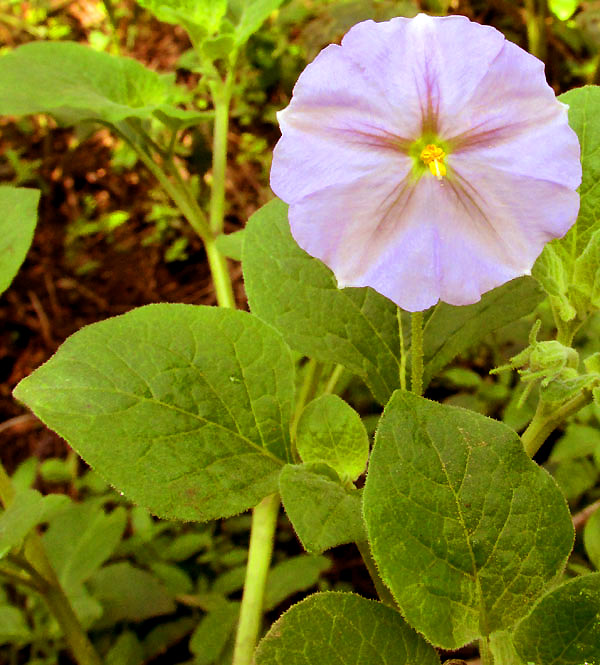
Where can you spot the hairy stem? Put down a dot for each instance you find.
(485, 653)
(385, 595)
(402, 368)
(221, 94)
(547, 418)
(264, 521)
(416, 347)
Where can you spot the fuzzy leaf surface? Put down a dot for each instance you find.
(330, 431)
(564, 627)
(466, 530)
(334, 628)
(184, 408)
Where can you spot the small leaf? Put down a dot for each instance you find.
(451, 330)
(466, 530)
(231, 245)
(127, 650)
(128, 593)
(563, 628)
(292, 575)
(334, 628)
(210, 637)
(184, 408)
(254, 14)
(13, 626)
(27, 509)
(77, 83)
(330, 431)
(80, 539)
(563, 9)
(298, 295)
(323, 513)
(18, 217)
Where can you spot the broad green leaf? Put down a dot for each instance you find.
(330, 431)
(13, 626)
(553, 270)
(335, 628)
(253, 14)
(574, 477)
(450, 330)
(323, 512)
(18, 217)
(210, 637)
(564, 627)
(205, 13)
(591, 539)
(127, 650)
(81, 538)
(77, 83)
(466, 530)
(503, 649)
(128, 593)
(298, 295)
(27, 509)
(292, 575)
(184, 408)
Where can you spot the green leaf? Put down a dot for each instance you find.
(77, 83)
(451, 330)
(563, 628)
(563, 9)
(577, 441)
(330, 431)
(18, 217)
(127, 650)
(231, 245)
(553, 270)
(575, 476)
(13, 626)
(206, 14)
(27, 509)
(466, 530)
(254, 14)
(586, 272)
(591, 539)
(184, 408)
(333, 628)
(80, 539)
(128, 593)
(298, 295)
(323, 513)
(210, 637)
(166, 634)
(292, 575)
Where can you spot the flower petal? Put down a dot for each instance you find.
(332, 132)
(514, 122)
(448, 240)
(416, 64)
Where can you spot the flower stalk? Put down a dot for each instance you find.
(416, 346)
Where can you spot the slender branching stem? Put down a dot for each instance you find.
(45, 580)
(264, 521)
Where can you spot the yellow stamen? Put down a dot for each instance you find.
(433, 156)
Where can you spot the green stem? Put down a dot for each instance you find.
(190, 209)
(416, 346)
(221, 93)
(385, 595)
(402, 368)
(535, 24)
(50, 589)
(547, 418)
(333, 380)
(264, 521)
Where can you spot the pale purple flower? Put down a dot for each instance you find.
(426, 158)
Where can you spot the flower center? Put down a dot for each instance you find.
(433, 156)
